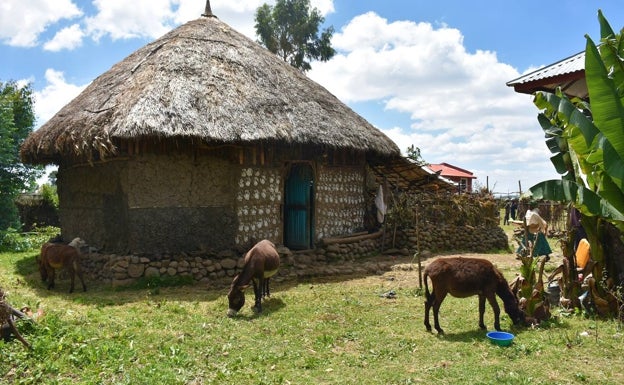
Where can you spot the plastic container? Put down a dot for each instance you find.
(500, 338)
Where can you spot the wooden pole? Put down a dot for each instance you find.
(420, 283)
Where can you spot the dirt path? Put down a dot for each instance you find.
(404, 274)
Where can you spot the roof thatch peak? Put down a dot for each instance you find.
(208, 11)
(206, 81)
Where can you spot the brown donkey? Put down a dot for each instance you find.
(465, 277)
(55, 256)
(261, 263)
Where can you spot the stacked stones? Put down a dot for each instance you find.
(335, 258)
(340, 201)
(454, 238)
(219, 268)
(259, 198)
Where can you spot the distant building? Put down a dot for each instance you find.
(462, 177)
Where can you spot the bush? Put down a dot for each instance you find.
(11, 240)
(50, 195)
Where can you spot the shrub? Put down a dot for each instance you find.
(11, 240)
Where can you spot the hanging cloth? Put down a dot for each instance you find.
(381, 205)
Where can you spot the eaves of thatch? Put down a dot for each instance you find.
(203, 82)
(403, 174)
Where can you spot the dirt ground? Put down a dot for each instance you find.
(404, 274)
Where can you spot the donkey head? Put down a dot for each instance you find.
(236, 298)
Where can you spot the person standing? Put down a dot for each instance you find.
(514, 209)
(507, 212)
(537, 229)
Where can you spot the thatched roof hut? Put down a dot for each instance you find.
(205, 140)
(206, 83)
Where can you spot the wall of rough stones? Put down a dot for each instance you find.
(258, 201)
(340, 201)
(339, 256)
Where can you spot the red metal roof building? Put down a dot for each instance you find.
(462, 177)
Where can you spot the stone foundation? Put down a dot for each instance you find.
(333, 256)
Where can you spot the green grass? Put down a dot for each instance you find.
(329, 331)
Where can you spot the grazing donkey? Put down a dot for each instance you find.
(465, 277)
(261, 263)
(55, 256)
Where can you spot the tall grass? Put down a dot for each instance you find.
(325, 331)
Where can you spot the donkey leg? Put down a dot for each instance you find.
(50, 278)
(78, 270)
(436, 311)
(481, 311)
(72, 275)
(428, 303)
(492, 300)
(267, 291)
(258, 295)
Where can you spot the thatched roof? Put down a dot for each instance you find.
(202, 81)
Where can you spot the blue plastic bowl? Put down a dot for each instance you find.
(500, 338)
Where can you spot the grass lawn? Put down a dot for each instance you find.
(325, 331)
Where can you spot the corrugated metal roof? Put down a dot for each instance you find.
(448, 170)
(569, 65)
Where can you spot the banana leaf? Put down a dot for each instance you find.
(605, 96)
(587, 201)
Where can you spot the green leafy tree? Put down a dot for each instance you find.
(16, 122)
(413, 153)
(290, 30)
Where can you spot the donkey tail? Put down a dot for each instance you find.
(428, 296)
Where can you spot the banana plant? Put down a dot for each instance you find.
(587, 140)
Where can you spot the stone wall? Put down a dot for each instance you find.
(218, 269)
(332, 256)
(340, 201)
(258, 200)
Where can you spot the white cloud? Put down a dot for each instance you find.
(120, 20)
(153, 18)
(55, 95)
(67, 38)
(240, 14)
(460, 108)
(22, 28)
(145, 19)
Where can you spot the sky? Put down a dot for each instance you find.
(427, 73)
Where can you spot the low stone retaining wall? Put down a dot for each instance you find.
(334, 256)
(444, 238)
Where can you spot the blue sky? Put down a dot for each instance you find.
(427, 73)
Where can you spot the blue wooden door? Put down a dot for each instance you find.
(298, 207)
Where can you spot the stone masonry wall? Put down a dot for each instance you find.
(340, 201)
(341, 256)
(258, 204)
